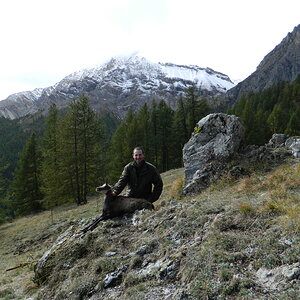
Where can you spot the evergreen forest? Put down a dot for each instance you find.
(62, 157)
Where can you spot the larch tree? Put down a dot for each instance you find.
(51, 179)
(79, 141)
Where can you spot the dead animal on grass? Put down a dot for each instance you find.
(116, 206)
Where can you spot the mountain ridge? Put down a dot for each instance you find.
(281, 64)
(120, 83)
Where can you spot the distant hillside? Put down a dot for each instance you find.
(281, 64)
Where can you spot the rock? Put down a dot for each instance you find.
(109, 254)
(169, 270)
(215, 140)
(277, 140)
(293, 143)
(114, 278)
(271, 279)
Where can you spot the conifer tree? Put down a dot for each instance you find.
(276, 120)
(26, 192)
(143, 123)
(51, 177)
(153, 154)
(180, 120)
(79, 140)
(5, 205)
(293, 126)
(120, 147)
(190, 98)
(164, 135)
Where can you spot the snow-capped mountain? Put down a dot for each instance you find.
(120, 83)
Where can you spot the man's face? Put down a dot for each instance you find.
(138, 156)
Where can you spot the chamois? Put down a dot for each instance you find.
(116, 206)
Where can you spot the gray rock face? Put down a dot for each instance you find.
(281, 64)
(293, 143)
(215, 139)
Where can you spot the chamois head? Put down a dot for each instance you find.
(104, 187)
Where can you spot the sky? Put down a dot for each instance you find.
(42, 41)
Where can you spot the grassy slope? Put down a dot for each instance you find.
(217, 241)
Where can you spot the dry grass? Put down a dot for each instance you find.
(229, 218)
(26, 239)
(277, 193)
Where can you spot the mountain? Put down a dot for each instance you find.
(119, 84)
(281, 64)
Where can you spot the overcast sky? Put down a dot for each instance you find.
(44, 40)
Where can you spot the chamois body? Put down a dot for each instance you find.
(116, 206)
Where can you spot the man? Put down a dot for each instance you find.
(142, 178)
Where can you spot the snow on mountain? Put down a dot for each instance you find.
(118, 84)
(204, 78)
(29, 95)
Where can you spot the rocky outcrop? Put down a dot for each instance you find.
(216, 149)
(215, 140)
(281, 64)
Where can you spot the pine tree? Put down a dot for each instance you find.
(180, 133)
(293, 126)
(277, 119)
(5, 204)
(26, 192)
(180, 120)
(164, 135)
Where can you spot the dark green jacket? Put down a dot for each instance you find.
(143, 181)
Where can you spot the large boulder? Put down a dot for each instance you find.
(216, 138)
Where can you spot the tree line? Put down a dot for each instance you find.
(75, 152)
(274, 110)
(78, 148)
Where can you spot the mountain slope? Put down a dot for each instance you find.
(229, 242)
(118, 85)
(281, 64)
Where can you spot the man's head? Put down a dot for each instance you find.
(138, 155)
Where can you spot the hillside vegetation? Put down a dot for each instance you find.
(237, 240)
